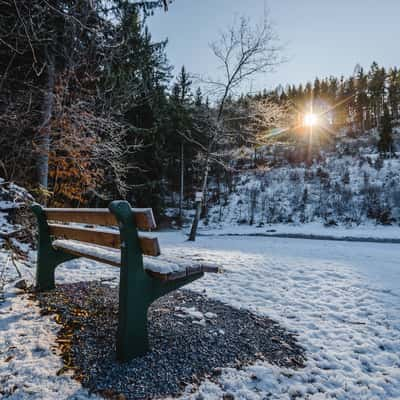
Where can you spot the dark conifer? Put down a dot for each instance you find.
(385, 144)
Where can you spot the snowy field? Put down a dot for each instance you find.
(341, 298)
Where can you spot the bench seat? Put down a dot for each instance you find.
(162, 267)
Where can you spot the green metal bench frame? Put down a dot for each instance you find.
(137, 289)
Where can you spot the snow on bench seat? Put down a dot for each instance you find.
(166, 268)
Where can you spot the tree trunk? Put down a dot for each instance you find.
(195, 224)
(181, 183)
(45, 127)
(193, 230)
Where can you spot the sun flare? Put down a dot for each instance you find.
(310, 119)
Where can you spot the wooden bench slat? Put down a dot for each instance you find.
(113, 257)
(144, 217)
(192, 270)
(149, 245)
(114, 260)
(99, 216)
(173, 276)
(211, 269)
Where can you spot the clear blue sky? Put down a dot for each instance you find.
(322, 37)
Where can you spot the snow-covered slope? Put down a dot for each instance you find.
(340, 190)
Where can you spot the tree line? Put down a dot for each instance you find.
(358, 102)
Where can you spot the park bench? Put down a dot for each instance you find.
(141, 281)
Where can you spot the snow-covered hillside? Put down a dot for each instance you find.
(338, 190)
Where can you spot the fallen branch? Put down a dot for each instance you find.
(107, 280)
(3, 280)
(8, 235)
(14, 262)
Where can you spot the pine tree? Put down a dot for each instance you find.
(385, 144)
(341, 110)
(377, 78)
(317, 89)
(350, 91)
(394, 92)
(198, 100)
(361, 100)
(181, 124)
(135, 83)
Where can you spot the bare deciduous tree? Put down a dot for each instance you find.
(243, 52)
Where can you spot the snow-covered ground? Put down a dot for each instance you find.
(342, 299)
(369, 230)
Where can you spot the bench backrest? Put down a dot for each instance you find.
(144, 220)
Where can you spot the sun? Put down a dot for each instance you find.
(310, 119)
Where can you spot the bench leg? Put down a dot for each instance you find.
(137, 290)
(48, 258)
(134, 301)
(132, 336)
(45, 274)
(47, 262)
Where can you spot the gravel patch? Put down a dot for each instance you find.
(191, 337)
